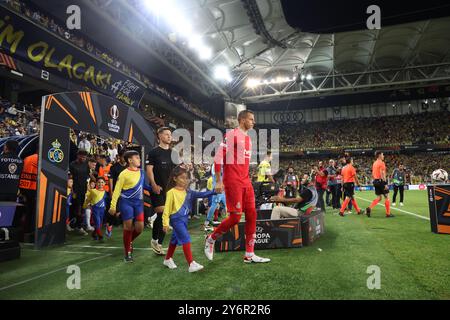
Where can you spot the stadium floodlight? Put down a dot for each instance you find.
(252, 82)
(222, 73)
(169, 12)
(309, 76)
(204, 52)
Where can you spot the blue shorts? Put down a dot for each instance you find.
(180, 233)
(98, 215)
(131, 209)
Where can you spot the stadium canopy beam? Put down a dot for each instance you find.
(333, 81)
(166, 52)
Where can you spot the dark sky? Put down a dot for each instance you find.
(328, 16)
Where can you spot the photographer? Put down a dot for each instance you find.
(291, 183)
(303, 204)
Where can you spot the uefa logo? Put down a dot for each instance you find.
(114, 112)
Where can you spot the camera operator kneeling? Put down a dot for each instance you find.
(303, 204)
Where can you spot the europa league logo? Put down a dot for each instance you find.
(114, 112)
(55, 154)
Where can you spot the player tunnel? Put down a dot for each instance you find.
(81, 111)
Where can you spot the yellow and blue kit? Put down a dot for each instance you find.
(176, 211)
(129, 187)
(96, 199)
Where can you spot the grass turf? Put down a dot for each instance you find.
(414, 264)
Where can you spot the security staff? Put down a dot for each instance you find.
(27, 185)
(10, 169)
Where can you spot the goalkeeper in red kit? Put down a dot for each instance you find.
(234, 155)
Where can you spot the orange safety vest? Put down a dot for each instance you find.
(104, 172)
(28, 178)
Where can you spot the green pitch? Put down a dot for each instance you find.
(414, 263)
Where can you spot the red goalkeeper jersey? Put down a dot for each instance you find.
(234, 155)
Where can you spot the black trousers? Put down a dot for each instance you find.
(29, 214)
(158, 233)
(334, 196)
(396, 189)
(320, 201)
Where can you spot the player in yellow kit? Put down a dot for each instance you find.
(129, 188)
(95, 198)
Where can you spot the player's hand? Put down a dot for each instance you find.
(166, 229)
(219, 187)
(156, 189)
(112, 212)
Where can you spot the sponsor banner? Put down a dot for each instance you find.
(416, 187)
(439, 206)
(23, 40)
(270, 234)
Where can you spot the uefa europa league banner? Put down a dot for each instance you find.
(25, 41)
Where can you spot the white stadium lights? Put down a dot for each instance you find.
(168, 11)
(253, 82)
(222, 73)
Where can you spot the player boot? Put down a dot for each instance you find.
(169, 263)
(128, 258)
(209, 248)
(194, 267)
(390, 216)
(368, 210)
(255, 259)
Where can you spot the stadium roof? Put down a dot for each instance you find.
(253, 39)
(394, 56)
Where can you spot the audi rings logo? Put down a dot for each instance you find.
(288, 117)
(114, 112)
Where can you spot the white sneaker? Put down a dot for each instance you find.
(154, 245)
(196, 217)
(255, 259)
(170, 263)
(161, 250)
(394, 204)
(194, 267)
(90, 228)
(69, 228)
(401, 204)
(82, 232)
(209, 248)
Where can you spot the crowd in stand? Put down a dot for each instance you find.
(18, 119)
(83, 43)
(422, 128)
